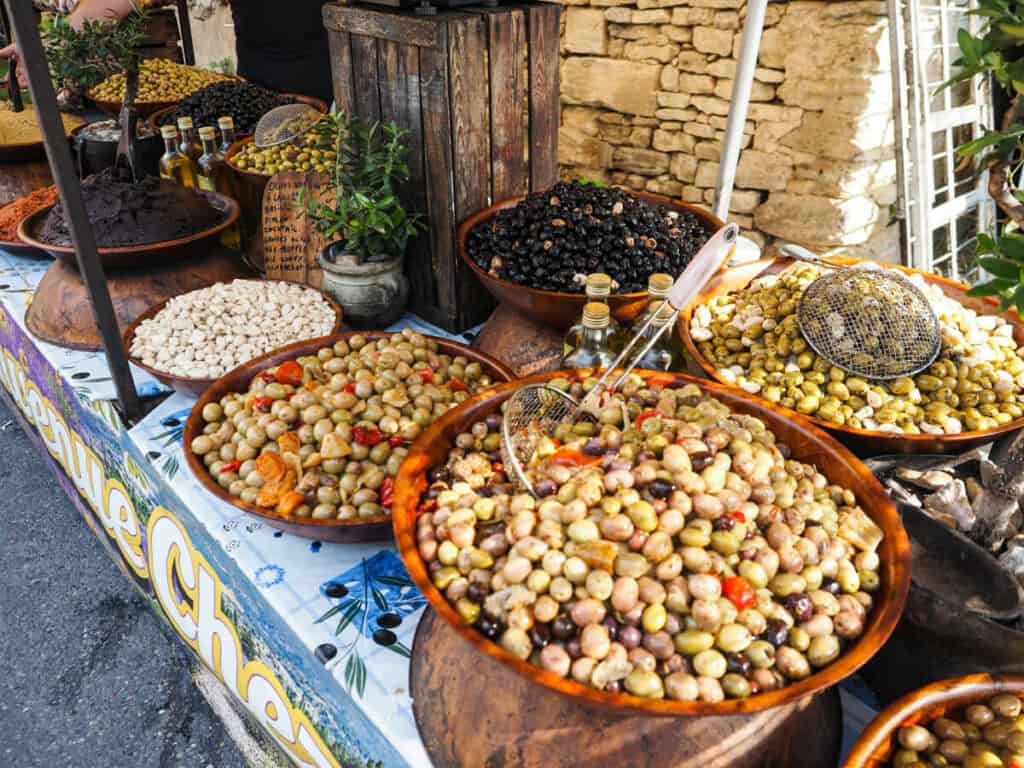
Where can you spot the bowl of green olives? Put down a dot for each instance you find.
(974, 721)
(743, 331)
(309, 438)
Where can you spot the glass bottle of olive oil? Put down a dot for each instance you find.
(188, 144)
(661, 356)
(593, 349)
(174, 166)
(598, 288)
(213, 175)
(658, 286)
(227, 133)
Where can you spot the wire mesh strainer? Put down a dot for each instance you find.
(535, 411)
(872, 322)
(285, 123)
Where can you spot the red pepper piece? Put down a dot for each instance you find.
(457, 385)
(497, 467)
(739, 592)
(426, 375)
(659, 380)
(773, 513)
(570, 457)
(230, 466)
(367, 435)
(428, 506)
(387, 492)
(738, 516)
(350, 387)
(267, 376)
(641, 418)
(262, 404)
(289, 372)
(395, 440)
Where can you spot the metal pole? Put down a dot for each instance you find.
(58, 151)
(188, 51)
(752, 29)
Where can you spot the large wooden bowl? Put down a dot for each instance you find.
(863, 441)
(555, 308)
(365, 529)
(133, 256)
(806, 442)
(874, 748)
(185, 384)
(318, 104)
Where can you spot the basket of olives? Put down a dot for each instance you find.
(533, 253)
(311, 436)
(743, 331)
(974, 721)
(712, 557)
(162, 83)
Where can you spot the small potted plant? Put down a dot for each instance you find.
(364, 223)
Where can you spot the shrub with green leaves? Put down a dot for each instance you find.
(364, 212)
(80, 59)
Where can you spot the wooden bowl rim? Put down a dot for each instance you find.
(411, 481)
(252, 176)
(491, 211)
(231, 206)
(686, 316)
(874, 745)
(222, 386)
(319, 104)
(194, 384)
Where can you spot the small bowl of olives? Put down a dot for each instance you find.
(310, 437)
(975, 721)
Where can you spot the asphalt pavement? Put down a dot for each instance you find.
(88, 675)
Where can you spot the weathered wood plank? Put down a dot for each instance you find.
(400, 101)
(399, 27)
(437, 172)
(544, 83)
(506, 46)
(341, 69)
(365, 84)
(467, 65)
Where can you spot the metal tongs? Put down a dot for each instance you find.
(535, 411)
(128, 119)
(12, 69)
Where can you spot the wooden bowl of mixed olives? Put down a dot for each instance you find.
(310, 437)
(686, 564)
(975, 721)
(742, 332)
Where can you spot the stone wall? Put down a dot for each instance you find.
(645, 95)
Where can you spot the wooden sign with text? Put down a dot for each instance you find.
(291, 244)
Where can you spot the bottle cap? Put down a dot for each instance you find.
(596, 314)
(184, 123)
(599, 285)
(226, 122)
(659, 284)
(169, 132)
(206, 132)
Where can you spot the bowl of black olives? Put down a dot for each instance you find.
(533, 253)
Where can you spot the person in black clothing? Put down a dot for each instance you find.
(280, 44)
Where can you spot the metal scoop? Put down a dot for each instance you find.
(874, 323)
(285, 123)
(535, 411)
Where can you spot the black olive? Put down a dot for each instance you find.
(325, 652)
(385, 637)
(336, 590)
(738, 663)
(563, 627)
(476, 593)
(489, 628)
(661, 489)
(389, 620)
(776, 633)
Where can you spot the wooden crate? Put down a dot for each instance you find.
(477, 91)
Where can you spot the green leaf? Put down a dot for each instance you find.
(400, 649)
(353, 610)
(999, 267)
(981, 290)
(378, 598)
(1013, 30)
(329, 613)
(970, 46)
(1011, 246)
(355, 674)
(395, 581)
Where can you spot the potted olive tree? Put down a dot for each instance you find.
(364, 223)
